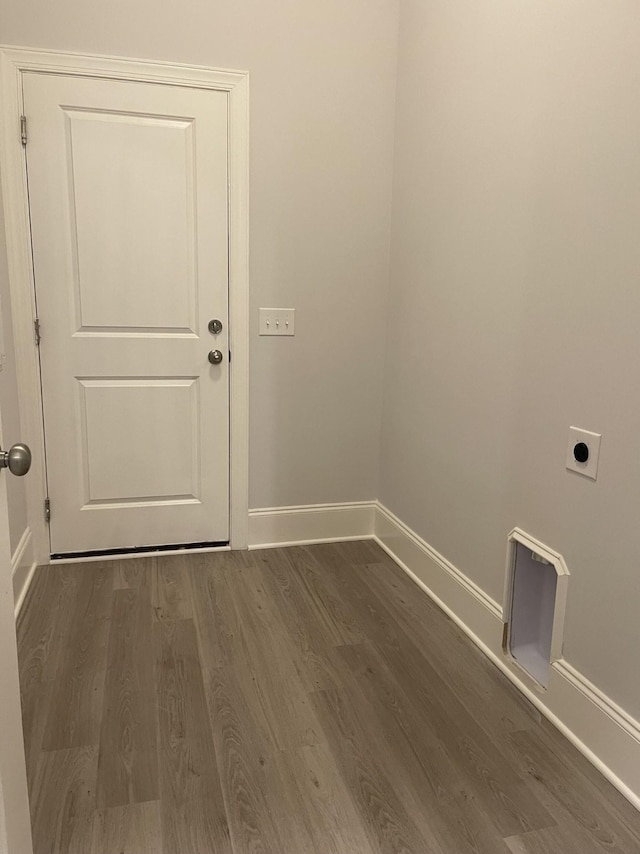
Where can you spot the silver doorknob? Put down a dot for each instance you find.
(17, 459)
(215, 357)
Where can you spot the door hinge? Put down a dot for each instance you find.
(36, 329)
(23, 130)
(47, 510)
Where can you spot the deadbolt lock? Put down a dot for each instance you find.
(215, 326)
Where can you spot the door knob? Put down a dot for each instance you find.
(17, 459)
(215, 357)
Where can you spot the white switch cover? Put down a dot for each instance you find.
(277, 321)
(589, 468)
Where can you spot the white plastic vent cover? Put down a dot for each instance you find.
(535, 599)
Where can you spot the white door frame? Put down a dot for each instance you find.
(14, 62)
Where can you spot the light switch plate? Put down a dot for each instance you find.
(588, 468)
(277, 321)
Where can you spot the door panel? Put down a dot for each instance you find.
(129, 210)
(173, 405)
(128, 201)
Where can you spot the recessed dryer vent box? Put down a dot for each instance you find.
(535, 600)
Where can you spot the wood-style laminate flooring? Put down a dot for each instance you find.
(290, 701)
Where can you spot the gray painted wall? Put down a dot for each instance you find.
(515, 301)
(322, 103)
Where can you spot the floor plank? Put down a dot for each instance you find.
(322, 594)
(44, 625)
(63, 801)
(333, 816)
(568, 839)
(212, 579)
(282, 693)
(417, 761)
(130, 573)
(76, 703)
(192, 806)
(171, 595)
(309, 626)
(243, 752)
(574, 794)
(128, 763)
(131, 829)
(490, 778)
(487, 692)
(385, 819)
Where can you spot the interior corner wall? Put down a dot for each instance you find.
(515, 304)
(322, 78)
(507, 305)
(16, 497)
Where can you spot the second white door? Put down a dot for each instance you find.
(129, 216)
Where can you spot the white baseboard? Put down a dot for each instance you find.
(23, 567)
(607, 735)
(313, 523)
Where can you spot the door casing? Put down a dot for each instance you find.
(14, 62)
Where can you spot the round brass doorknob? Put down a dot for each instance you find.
(215, 357)
(17, 459)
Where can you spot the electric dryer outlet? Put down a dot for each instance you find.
(583, 452)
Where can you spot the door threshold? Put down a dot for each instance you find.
(140, 551)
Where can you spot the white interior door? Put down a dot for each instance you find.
(15, 827)
(128, 200)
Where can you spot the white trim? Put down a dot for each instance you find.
(23, 567)
(599, 698)
(26, 584)
(13, 63)
(271, 527)
(603, 732)
(20, 550)
(239, 313)
(414, 542)
(121, 67)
